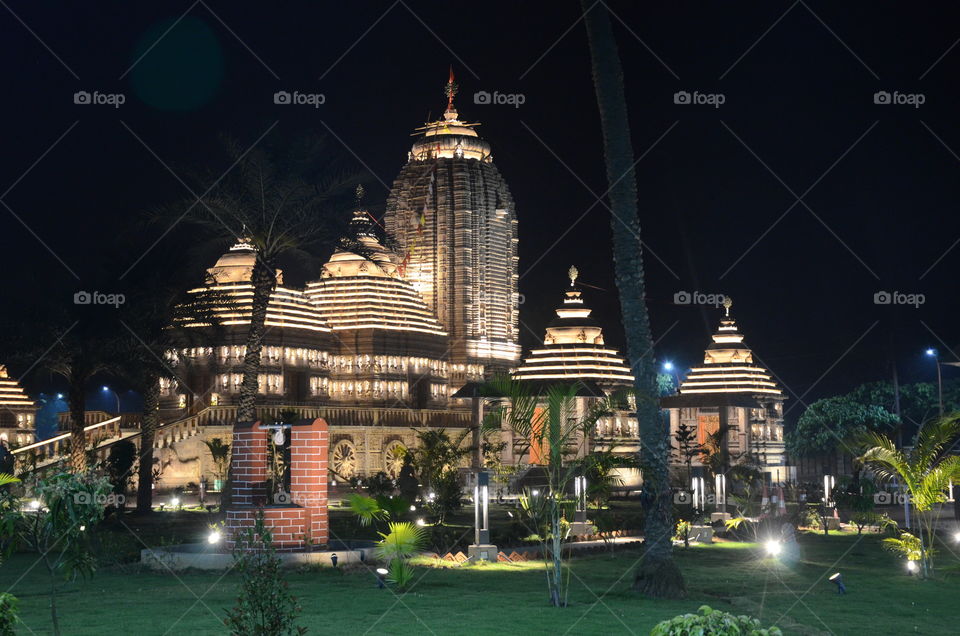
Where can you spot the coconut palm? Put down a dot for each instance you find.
(925, 470)
(281, 212)
(658, 576)
(551, 423)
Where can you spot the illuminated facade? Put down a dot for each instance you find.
(573, 350)
(733, 395)
(16, 412)
(454, 219)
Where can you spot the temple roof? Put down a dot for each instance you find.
(12, 395)
(574, 347)
(728, 366)
(449, 137)
(361, 287)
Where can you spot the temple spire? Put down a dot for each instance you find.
(727, 304)
(450, 90)
(572, 273)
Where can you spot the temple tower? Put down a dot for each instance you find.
(454, 221)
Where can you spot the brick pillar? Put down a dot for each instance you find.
(308, 476)
(248, 465)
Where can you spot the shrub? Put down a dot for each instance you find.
(8, 613)
(265, 606)
(711, 622)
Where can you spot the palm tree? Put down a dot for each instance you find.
(403, 541)
(926, 471)
(551, 423)
(657, 576)
(281, 213)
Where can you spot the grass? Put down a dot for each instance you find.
(508, 598)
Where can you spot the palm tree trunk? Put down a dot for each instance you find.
(78, 437)
(263, 284)
(148, 429)
(658, 576)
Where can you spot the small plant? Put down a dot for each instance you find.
(8, 613)
(366, 510)
(380, 485)
(403, 541)
(265, 606)
(906, 545)
(683, 532)
(710, 622)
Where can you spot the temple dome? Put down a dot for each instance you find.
(449, 137)
(11, 393)
(574, 347)
(236, 265)
(729, 366)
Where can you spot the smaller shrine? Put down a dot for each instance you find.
(16, 412)
(731, 401)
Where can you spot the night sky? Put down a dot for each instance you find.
(719, 186)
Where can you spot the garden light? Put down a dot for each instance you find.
(912, 567)
(334, 558)
(421, 522)
(773, 548)
(381, 575)
(214, 537)
(34, 504)
(956, 536)
(175, 502)
(837, 579)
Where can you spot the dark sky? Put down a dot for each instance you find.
(878, 182)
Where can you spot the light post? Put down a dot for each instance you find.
(107, 389)
(580, 491)
(933, 353)
(720, 492)
(481, 550)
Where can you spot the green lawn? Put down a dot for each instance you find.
(501, 599)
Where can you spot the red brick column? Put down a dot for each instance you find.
(248, 467)
(308, 476)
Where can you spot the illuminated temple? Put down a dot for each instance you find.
(16, 411)
(732, 395)
(574, 353)
(453, 216)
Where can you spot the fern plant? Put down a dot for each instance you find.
(403, 541)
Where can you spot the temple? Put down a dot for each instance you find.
(731, 403)
(16, 411)
(454, 219)
(574, 353)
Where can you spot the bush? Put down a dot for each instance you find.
(8, 613)
(711, 622)
(265, 606)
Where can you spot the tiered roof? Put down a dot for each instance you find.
(574, 348)
(728, 366)
(361, 288)
(12, 395)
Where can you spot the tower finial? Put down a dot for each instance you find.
(573, 272)
(450, 90)
(727, 304)
(359, 194)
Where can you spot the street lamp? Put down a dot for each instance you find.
(580, 490)
(107, 389)
(933, 353)
(482, 550)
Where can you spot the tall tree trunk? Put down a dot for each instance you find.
(657, 576)
(264, 282)
(148, 428)
(78, 437)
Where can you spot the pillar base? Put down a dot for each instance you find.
(581, 528)
(719, 516)
(484, 552)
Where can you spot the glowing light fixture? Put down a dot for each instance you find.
(773, 548)
(912, 567)
(214, 537)
(837, 580)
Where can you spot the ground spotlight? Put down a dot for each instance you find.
(773, 548)
(34, 504)
(175, 502)
(956, 536)
(334, 558)
(837, 579)
(421, 522)
(381, 577)
(912, 567)
(214, 537)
